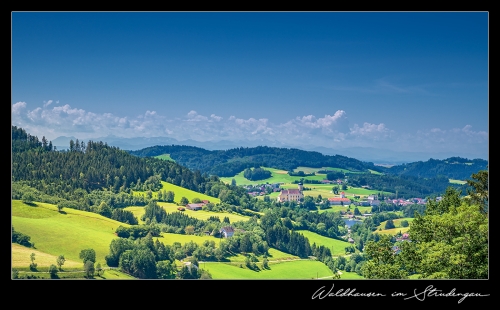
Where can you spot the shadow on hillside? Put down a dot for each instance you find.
(63, 212)
(31, 204)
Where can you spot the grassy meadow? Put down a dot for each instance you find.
(278, 176)
(274, 255)
(397, 223)
(181, 192)
(297, 269)
(64, 233)
(337, 247)
(350, 276)
(326, 189)
(165, 157)
(200, 214)
(21, 259)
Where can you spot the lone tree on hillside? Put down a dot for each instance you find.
(53, 271)
(87, 255)
(28, 198)
(98, 269)
(389, 224)
(89, 269)
(33, 264)
(60, 261)
(184, 201)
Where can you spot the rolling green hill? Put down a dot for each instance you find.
(64, 233)
(298, 269)
(200, 214)
(337, 247)
(181, 192)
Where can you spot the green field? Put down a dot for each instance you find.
(338, 208)
(297, 269)
(457, 181)
(181, 192)
(278, 176)
(350, 276)
(315, 170)
(115, 274)
(327, 189)
(65, 233)
(337, 247)
(397, 223)
(68, 232)
(200, 214)
(274, 255)
(21, 258)
(165, 157)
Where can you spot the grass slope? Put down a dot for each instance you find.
(397, 223)
(298, 269)
(326, 190)
(200, 214)
(21, 258)
(337, 247)
(65, 233)
(277, 176)
(165, 157)
(181, 192)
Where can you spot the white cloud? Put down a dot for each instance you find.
(328, 131)
(193, 116)
(18, 106)
(370, 130)
(47, 103)
(216, 118)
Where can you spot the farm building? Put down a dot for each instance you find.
(227, 231)
(194, 206)
(373, 200)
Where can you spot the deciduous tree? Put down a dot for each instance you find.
(87, 255)
(89, 269)
(60, 261)
(53, 271)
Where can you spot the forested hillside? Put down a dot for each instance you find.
(453, 168)
(227, 163)
(91, 173)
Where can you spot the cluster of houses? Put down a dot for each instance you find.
(404, 237)
(262, 189)
(371, 200)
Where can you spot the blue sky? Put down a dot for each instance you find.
(401, 81)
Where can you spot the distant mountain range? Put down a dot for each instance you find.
(368, 154)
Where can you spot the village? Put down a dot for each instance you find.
(341, 198)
